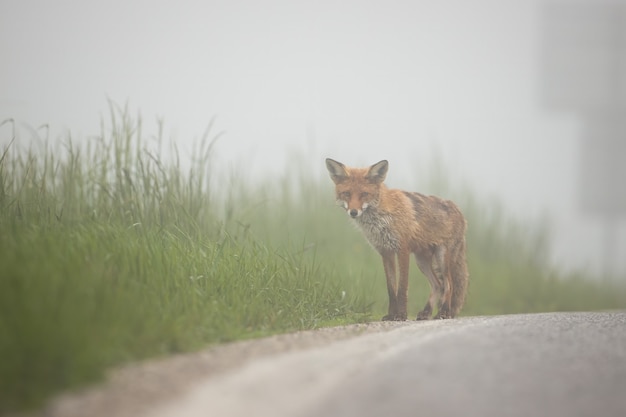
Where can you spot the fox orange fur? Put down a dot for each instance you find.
(398, 223)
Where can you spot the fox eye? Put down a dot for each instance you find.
(345, 195)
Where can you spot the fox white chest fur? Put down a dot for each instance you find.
(376, 227)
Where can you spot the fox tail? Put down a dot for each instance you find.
(460, 277)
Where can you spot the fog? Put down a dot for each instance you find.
(510, 94)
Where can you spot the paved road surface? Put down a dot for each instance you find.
(563, 364)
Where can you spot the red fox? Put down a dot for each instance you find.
(398, 223)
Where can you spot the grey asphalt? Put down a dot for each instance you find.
(554, 364)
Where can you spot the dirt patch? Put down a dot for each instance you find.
(132, 390)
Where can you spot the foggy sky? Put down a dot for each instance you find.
(358, 81)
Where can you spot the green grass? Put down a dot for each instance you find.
(111, 252)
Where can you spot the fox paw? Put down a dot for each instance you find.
(442, 315)
(423, 315)
(395, 317)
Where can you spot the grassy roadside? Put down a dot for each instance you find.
(109, 253)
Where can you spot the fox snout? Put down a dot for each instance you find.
(352, 212)
(356, 212)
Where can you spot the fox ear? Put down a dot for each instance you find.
(337, 170)
(378, 171)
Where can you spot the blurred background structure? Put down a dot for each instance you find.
(522, 101)
(584, 66)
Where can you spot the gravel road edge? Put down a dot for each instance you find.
(130, 390)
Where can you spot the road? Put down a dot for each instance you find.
(554, 364)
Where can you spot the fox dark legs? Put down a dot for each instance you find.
(403, 283)
(435, 265)
(441, 266)
(398, 293)
(425, 264)
(389, 264)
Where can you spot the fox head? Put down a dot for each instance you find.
(357, 188)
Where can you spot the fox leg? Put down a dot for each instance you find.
(441, 262)
(403, 283)
(424, 263)
(389, 264)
